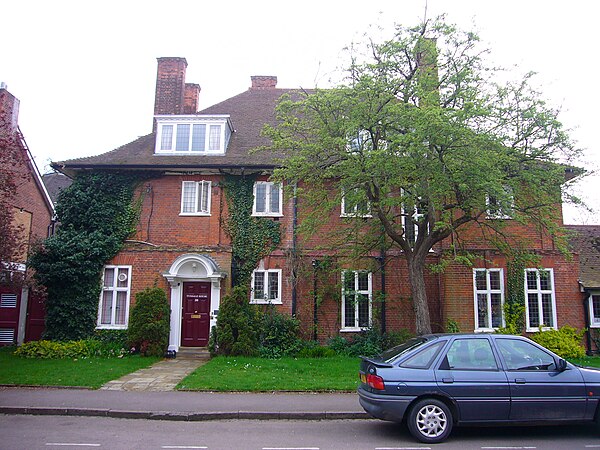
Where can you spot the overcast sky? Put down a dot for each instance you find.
(85, 71)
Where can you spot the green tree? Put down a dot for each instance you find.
(421, 133)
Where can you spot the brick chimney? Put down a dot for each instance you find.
(190, 104)
(9, 109)
(263, 82)
(170, 86)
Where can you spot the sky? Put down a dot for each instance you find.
(85, 71)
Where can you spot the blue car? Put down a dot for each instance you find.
(435, 382)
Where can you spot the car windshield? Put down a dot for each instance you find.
(394, 352)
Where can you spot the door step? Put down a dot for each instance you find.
(193, 353)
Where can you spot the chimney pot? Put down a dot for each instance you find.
(264, 81)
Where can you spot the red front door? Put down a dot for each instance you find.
(195, 322)
(36, 317)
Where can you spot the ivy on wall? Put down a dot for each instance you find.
(514, 306)
(96, 215)
(252, 238)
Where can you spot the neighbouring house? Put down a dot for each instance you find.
(55, 182)
(21, 307)
(585, 240)
(182, 244)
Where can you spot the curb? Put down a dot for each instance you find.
(183, 416)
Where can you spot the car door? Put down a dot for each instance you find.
(469, 372)
(539, 391)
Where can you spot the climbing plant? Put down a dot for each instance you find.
(252, 238)
(514, 306)
(96, 215)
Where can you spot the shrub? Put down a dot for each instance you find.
(370, 342)
(237, 323)
(565, 342)
(339, 345)
(317, 351)
(70, 349)
(149, 322)
(278, 334)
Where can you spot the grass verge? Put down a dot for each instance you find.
(588, 361)
(339, 373)
(88, 372)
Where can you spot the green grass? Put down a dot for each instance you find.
(338, 373)
(89, 372)
(588, 361)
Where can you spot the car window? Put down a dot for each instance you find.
(470, 354)
(394, 352)
(423, 358)
(522, 355)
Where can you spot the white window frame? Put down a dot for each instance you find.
(174, 121)
(539, 292)
(115, 289)
(198, 190)
(266, 300)
(368, 293)
(354, 212)
(488, 293)
(594, 322)
(500, 213)
(268, 213)
(359, 142)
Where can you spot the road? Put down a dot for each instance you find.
(64, 432)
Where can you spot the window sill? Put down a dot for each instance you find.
(194, 214)
(111, 327)
(535, 330)
(266, 302)
(266, 215)
(353, 330)
(188, 153)
(356, 216)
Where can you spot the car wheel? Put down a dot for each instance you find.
(430, 421)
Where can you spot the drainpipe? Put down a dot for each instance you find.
(315, 265)
(381, 259)
(586, 315)
(294, 249)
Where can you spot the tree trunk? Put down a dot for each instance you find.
(416, 266)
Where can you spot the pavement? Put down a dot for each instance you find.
(149, 394)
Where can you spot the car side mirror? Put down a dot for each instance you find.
(562, 365)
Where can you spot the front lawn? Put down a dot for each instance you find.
(339, 373)
(588, 361)
(84, 372)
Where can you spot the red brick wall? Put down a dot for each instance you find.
(450, 294)
(170, 86)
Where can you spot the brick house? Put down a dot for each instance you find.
(585, 241)
(181, 242)
(21, 309)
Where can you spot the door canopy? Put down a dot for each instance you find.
(193, 266)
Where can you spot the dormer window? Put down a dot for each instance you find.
(193, 134)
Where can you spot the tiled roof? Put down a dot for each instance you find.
(586, 241)
(249, 112)
(56, 182)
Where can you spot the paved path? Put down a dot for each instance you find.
(161, 376)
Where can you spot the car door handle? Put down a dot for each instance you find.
(520, 380)
(448, 380)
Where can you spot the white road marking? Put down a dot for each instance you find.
(291, 448)
(71, 444)
(403, 448)
(184, 446)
